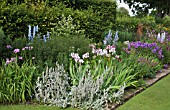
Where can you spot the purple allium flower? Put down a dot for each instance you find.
(16, 50)
(8, 46)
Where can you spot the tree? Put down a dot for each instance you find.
(162, 6)
(122, 12)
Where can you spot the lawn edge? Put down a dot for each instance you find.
(149, 82)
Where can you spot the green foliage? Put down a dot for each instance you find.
(127, 36)
(66, 28)
(122, 12)
(165, 21)
(19, 43)
(114, 73)
(4, 41)
(101, 19)
(17, 82)
(16, 17)
(59, 49)
(130, 24)
(166, 52)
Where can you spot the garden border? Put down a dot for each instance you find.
(149, 82)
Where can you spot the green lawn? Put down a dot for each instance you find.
(156, 97)
(31, 107)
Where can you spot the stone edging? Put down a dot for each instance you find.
(149, 82)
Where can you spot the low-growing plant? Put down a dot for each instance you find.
(53, 87)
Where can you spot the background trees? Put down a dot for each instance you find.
(162, 6)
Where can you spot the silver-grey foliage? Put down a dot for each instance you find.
(53, 88)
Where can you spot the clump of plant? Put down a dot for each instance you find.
(17, 82)
(54, 87)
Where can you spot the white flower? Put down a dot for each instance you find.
(112, 50)
(126, 42)
(104, 52)
(117, 56)
(81, 61)
(104, 42)
(86, 55)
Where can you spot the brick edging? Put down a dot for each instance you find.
(149, 82)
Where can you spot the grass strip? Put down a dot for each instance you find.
(156, 97)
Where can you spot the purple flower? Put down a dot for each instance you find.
(8, 61)
(16, 50)
(23, 48)
(8, 47)
(129, 46)
(20, 58)
(154, 50)
(12, 59)
(165, 66)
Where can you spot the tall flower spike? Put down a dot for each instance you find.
(39, 36)
(34, 31)
(36, 28)
(108, 38)
(159, 37)
(45, 40)
(162, 37)
(29, 32)
(116, 36)
(48, 34)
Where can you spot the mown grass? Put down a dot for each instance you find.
(156, 97)
(32, 107)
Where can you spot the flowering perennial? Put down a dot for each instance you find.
(152, 46)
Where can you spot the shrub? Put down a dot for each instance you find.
(17, 17)
(130, 24)
(101, 16)
(127, 36)
(59, 49)
(4, 41)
